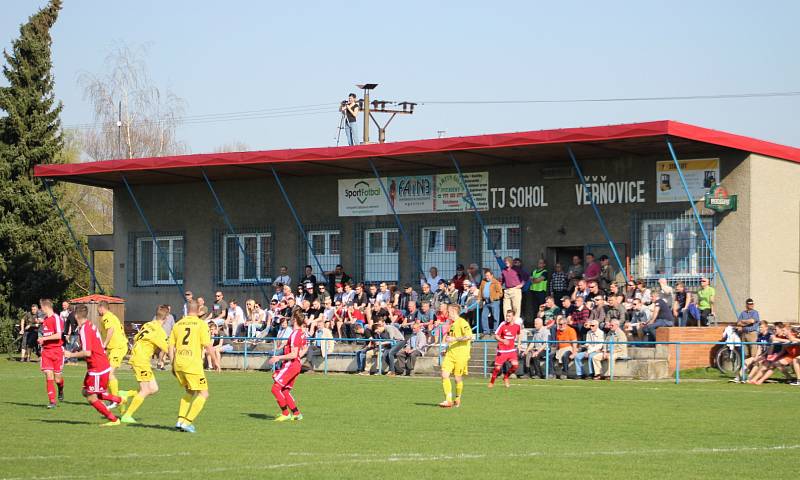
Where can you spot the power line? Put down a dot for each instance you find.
(617, 99)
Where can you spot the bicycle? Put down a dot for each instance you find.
(728, 358)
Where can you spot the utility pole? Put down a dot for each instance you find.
(379, 106)
(366, 87)
(119, 131)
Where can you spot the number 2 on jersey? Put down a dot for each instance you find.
(185, 340)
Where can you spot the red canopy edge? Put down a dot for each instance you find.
(477, 142)
(96, 298)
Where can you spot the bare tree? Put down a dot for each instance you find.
(235, 146)
(133, 118)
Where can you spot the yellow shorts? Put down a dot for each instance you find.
(115, 356)
(192, 381)
(457, 367)
(143, 373)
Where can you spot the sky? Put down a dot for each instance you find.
(235, 56)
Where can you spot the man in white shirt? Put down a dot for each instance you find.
(432, 278)
(283, 278)
(235, 320)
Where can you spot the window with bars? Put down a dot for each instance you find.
(155, 259)
(439, 245)
(250, 263)
(506, 239)
(381, 255)
(326, 245)
(672, 246)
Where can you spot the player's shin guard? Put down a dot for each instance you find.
(277, 392)
(51, 390)
(113, 387)
(495, 372)
(136, 402)
(448, 389)
(100, 407)
(510, 371)
(60, 385)
(197, 406)
(183, 409)
(287, 394)
(459, 389)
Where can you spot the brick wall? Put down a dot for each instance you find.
(692, 356)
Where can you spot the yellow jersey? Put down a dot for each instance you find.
(149, 337)
(118, 340)
(459, 350)
(189, 336)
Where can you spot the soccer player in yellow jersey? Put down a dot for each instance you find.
(189, 337)
(455, 361)
(149, 338)
(115, 343)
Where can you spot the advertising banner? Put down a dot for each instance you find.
(414, 194)
(361, 197)
(451, 196)
(700, 174)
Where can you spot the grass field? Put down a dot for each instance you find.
(372, 427)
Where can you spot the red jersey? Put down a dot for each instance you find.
(52, 325)
(91, 342)
(298, 340)
(508, 332)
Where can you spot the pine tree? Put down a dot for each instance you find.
(33, 241)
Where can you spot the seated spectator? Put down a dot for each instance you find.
(440, 296)
(566, 347)
(402, 299)
(366, 337)
(234, 322)
(642, 292)
(322, 293)
(589, 350)
(348, 295)
(432, 278)
(680, 309)
(470, 305)
(219, 346)
(323, 342)
(474, 274)
(414, 348)
(383, 295)
(640, 317)
(580, 290)
(202, 309)
(662, 317)
(783, 359)
(548, 311)
(616, 311)
(580, 315)
(459, 278)
(452, 293)
(380, 345)
(536, 351)
(706, 295)
(620, 346)
(308, 276)
(283, 278)
(425, 313)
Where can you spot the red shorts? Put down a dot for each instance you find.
(52, 359)
(96, 382)
(502, 358)
(286, 376)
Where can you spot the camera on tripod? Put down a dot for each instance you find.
(344, 102)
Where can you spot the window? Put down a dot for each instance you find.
(674, 248)
(506, 240)
(326, 248)
(381, 261)
(439, 250)
(154, 269)
(253, 265)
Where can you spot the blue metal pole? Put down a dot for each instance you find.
(597, 214)
(78, 245)
(297, 220)
(161, 256)
(471, 201)
(406, 238)
(244, 363)
(485, 359)
(743, 370)
(611, 361)
(702, 228)
(547, 360)
(677, 363)
(221, 211)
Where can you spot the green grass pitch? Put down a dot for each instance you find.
(373, 427)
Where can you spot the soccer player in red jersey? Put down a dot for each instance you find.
(508, 339)
(98, 368)
(52, 360)
(296, 347)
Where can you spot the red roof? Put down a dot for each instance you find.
(96, 298)
(588, 142)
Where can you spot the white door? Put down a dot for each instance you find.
(381, 262)
(505, 239)
(326, 248)
(439, 250)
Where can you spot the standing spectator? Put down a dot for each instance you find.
(567, 348)
(513, 279)
(591, 272)
(407, 296)
(748, 323)
(459, 278)
(662, 317)
(29, 329)
(365, 336)
(187, 297)
(282, 279)
(474, 274)
(536, 352)
(70, 327)
(606, 277)
(559, 282)
(414, 348)
(202, 309)
(538, 286)
(681, 306)
(705, 301)
(589, 350)
(620, 345)
(470, 304)
(574, 272)
(489, 293)
(337, 275)
(219, 311)
(308, 276)
(432, 278)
